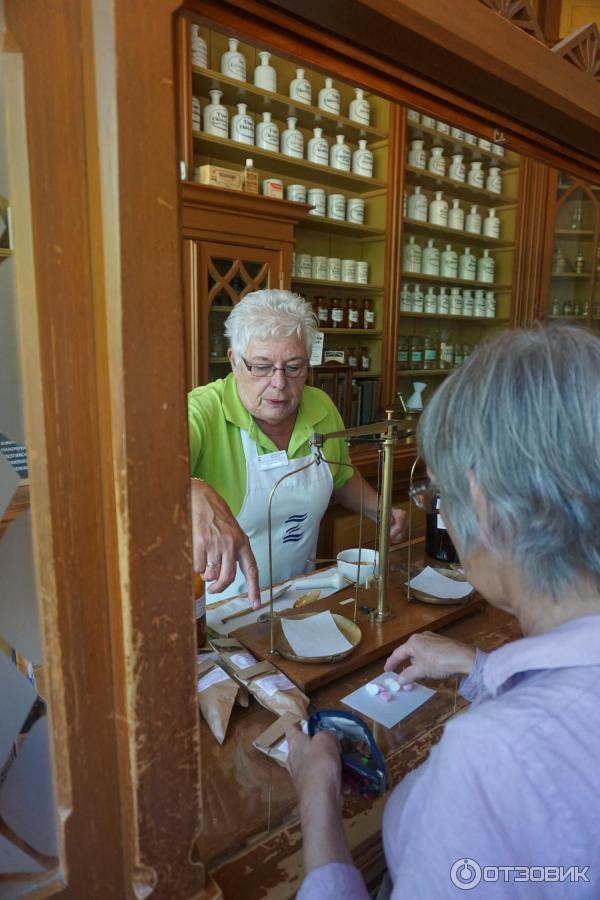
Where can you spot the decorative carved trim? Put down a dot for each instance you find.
(582, 49)
(519, 13)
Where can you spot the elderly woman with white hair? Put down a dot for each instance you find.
(508, 802)
(248, 430)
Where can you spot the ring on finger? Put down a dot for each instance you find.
(212, 565)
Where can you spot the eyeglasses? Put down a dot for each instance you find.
(267, 370)
(424, 494)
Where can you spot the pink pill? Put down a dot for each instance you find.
(408, 687)
(385, 696)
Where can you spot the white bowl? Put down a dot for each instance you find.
(347, 563)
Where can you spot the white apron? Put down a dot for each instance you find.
(298, 506)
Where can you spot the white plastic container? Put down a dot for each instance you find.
(233, 63)
(316, 198)
(437, 161)
(292, 140)
(457, 170)
(267, 134)
(417, 205)
(473, 221)
(417, 156)
(216, 117)
(467, 265)
(318, 148)
(491, 224)
(411, 256)
(494, 180)
(199, 48)
(449, 262)
(362, 160)
(242, 126)
(355, 210)
(360, 109)
(486, 267)
(475, 176)
(329, 97)
(438, 210)
(430, 260)
(456, 216)
(300, 88)
(265, 76)
(340, 155)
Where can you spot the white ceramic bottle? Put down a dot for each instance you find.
(475, 176)
(486, 267)
(457, 168)
(199, 49)
(430, 305)
(443, 302)
(300, 89)
(438, 210)
(491, 224)
(417, 205)
(292, 140)
(267, 134)
(494, 180)
(329, 97)
(318, 149)
(480, 304)
(233, 63)
(362, 160)
(406, 298)
(473, 221)
(468, 303)
(490, 304)
(360, 109)
(456, 216)
(449, 262)
(411, 256)
(340, 156)
(416, 155)
(467, 265)
(430, 259)
(456, 304)
(216, 117)
(417, 299)
(437, 161)
(242, 126)
(196, 114)
(265, 76)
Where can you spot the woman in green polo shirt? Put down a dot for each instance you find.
(249, 429)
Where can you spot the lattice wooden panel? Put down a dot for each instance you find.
(519, 13)
(582, 49)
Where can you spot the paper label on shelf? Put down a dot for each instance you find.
(270, 684)
(316, 353)
(273, 460)
(213, 677)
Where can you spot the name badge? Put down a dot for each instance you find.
(273, 460)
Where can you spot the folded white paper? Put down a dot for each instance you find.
(391, 711)
(316, 635)
(431, 582)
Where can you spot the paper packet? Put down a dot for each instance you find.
(217, 693)
(272, 741)
(266, 682)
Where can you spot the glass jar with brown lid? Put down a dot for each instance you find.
(352, 357)
(416, 352)
(353, 312)
(338, 313)
(368, 315)
(323, 312)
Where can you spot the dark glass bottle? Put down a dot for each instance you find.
(438, 543)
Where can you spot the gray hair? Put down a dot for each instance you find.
(523, 415)
(270, 313)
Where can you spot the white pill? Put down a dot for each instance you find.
(392, 685)
(372, 689)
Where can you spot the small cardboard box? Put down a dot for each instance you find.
(220, 177)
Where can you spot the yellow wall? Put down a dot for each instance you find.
(575, 13)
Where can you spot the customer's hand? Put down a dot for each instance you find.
(398, 525)
(430, 655)
(314, 765)
(219, 543)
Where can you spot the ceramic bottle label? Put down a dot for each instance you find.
(217, 122)
(341, 157)
(417, 207)
(267, 136)
(292, 143)
(329, 99)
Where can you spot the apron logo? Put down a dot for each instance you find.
(294, 531)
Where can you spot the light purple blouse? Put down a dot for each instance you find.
(514, 782)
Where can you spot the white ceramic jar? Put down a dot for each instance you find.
(319, 267)
(336, 206)
(490, 304)
(494, 180)
(438, 210)
(360, 109)
(430, 305)
(411, 256)
(349, 270)
(316, 198)
(497, 149)
(413, 116)
(456, 216)
(334, 268)
(467, 265)
(318, 148)
(362, 272)
(362, 160)
(303, 265)
(406, 298)
(300, 88)
(457, 170)
(417, 205)
(475, 176)
(442, 127)
(457, 133)
(417, 156)
(216, 117)
(468, 302)
(491, 224)
(470, 138)
(437, 161)
(418, 300)
(484, 144)
(296, 193)
(456, 303)
(443, 302)
(267, 134)
(486, 267)
(199, 48)
(480, 304)
(473, 221)
(355, 210)
(427, 121)
(265, 76)
(430, 259)
(292, 140)
(329, 97)
(242, 126)
(233, 63)
(340, 155)
(196, 114)
(449, 262)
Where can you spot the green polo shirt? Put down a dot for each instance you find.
(216, 414)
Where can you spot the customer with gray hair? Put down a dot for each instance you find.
(508, 802)
(248, 430)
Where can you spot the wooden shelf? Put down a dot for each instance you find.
(453, 145)
(455, 189)
(585, 276)
(410, 373)
(259, 100)
(366, 374)
(345, 229)
(483, 320)
(455, 282)
(220, 309)
(339, 285)
(217, 360)
(454, 234)
(278, 164)
(363, 332)
(569, 318)
(576, 234)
